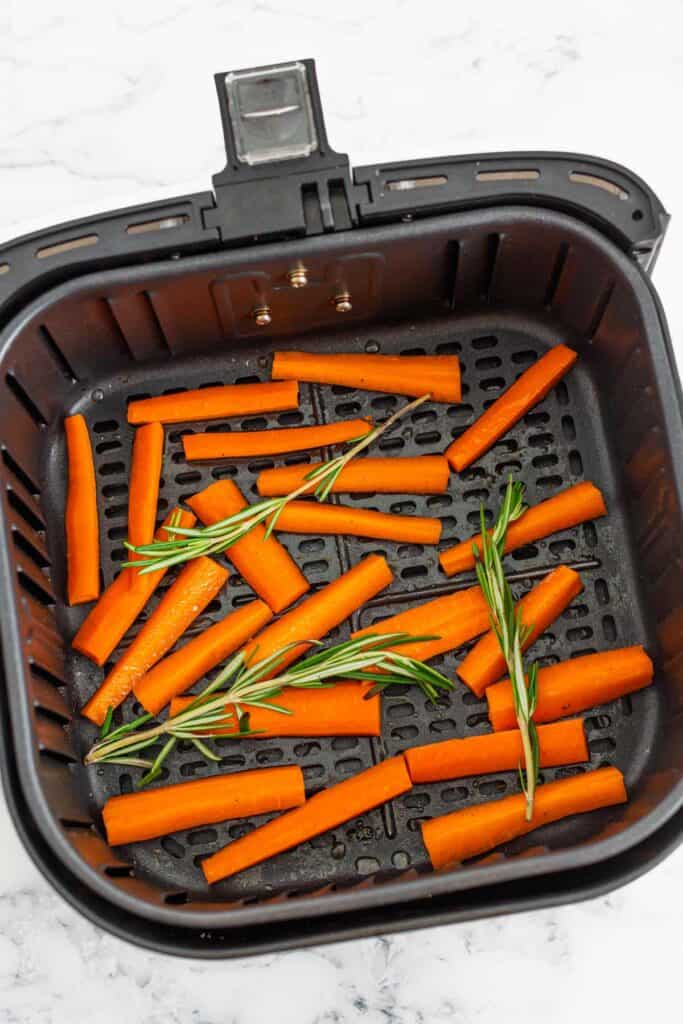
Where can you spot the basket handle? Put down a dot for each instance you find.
(281, 178)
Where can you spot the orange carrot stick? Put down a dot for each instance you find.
(143, 492)
(339, 710)
(197, 584)
(122, 602)
(575, 685)
(82, 530)
(177, 672)
(133, 817)
(321, 518)
(438, 376)
(321, 612)
(324, 811)
(243, 444)
(568, 508)
(436, 612)
(559, 743)
(533, 385)
(264, 563)
(484, 664)
(421, 474)
(454, 837)
(216, 403)
(454, 619)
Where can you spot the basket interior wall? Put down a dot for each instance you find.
(496, 288)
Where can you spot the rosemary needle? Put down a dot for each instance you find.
(369, 657)
(510, 631)
(189, 543)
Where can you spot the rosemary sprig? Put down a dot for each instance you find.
(239, 687)
(510, 631)
(189, 543)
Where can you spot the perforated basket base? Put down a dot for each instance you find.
(560, 442)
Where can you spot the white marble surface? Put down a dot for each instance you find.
(109, 104)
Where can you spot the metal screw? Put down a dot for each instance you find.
(298, 277)
(262, 315)
(342, 303)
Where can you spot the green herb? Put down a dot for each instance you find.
(106, 724)
(239, 687)
(510, 631)
(189, 542)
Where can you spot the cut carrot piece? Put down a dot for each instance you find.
(82, 529)
(485, 663)
(177, 672)
(197, 584)
(421, 474)
(436, 612)
(575, 685)
(122, 602)
(242, 444)
(143, 491)
(568, 508)
(455, 619)
(339, 710)
(533, 385)
(559, 743)
(264, 563)
(134, 817)
(324, 811)
(322, 518)
(454, 837)
(216, 403)
(321, 612)
(438, 376)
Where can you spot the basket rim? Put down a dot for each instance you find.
(390, 893)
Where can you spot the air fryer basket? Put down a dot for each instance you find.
(162, 299)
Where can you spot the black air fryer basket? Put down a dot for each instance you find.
(492, 257)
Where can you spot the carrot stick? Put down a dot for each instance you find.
(324, 811)
(339, 710)
(455, 619)
(122, 602)
(575, 685)
(321, 612)
(134, 817)
(197, 584)
(177, 672)
(436, 612)
(216, 403)
(568, 508)
(243, 444)
(533, 385)
(321, 518)
(264, 563)
(82, 529)
(143, 493)
(484, 664)
(559, 743)
(422, 474)
(453, 838)
(438, 376)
